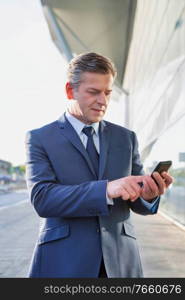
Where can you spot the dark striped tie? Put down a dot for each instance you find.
(94, 157)
(91, 149)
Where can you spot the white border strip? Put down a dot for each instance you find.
(171, 220)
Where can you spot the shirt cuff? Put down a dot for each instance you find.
(149, 203)
(109, 200)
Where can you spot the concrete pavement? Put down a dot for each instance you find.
(162, 246)
(18, 233)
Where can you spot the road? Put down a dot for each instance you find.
(18, 233)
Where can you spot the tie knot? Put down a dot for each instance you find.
(89, 131)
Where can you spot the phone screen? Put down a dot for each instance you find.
(163, 166)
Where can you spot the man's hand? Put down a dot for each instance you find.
(128, 188)
(152, 189)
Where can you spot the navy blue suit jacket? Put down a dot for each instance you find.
(77, 225)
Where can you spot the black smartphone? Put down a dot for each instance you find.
(162, 166)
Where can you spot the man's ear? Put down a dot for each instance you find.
(69, 91)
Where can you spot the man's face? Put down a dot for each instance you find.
(92, 96)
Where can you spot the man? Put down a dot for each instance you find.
(84, 175)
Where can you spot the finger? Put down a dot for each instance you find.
(135, 182)
(129, 194)
(132, 189)
(151, 185)
(132, 194)
(125, 195)
(148, 191)
(136, 187)
(160, 182)
(167, 178)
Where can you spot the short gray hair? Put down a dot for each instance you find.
(89, 62)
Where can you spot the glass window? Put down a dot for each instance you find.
(171, 146)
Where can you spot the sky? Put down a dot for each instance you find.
(32, 76)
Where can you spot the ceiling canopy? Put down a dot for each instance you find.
(103, 26)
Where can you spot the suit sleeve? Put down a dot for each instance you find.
(141, 206)
(53, 199)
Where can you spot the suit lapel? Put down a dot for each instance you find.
(69, 132)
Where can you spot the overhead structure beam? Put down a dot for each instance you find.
(56, 31)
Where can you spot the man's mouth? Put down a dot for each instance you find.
(98, 110)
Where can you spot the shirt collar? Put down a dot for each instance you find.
(78, 125)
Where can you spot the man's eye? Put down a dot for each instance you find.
(93, 93)
(96, 93)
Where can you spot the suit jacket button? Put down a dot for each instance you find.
(98, 230)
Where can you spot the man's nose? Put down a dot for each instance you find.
(102, 98)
